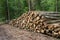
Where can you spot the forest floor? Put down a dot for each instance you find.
(8, 32)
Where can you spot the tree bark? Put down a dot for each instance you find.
(7, 12)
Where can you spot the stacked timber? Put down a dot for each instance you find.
(39, 22)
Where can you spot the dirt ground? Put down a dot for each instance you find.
(8, 32)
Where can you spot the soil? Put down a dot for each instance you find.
(8, 32)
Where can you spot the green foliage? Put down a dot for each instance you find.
(38, 5)
(58, 5)
(2, 10)
(17, 7)
(48, 5)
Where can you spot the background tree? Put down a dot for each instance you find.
(15, 8)
(7, 10)
(58, 5)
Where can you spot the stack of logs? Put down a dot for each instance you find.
(36, 22)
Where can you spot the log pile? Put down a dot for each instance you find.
(36, 22)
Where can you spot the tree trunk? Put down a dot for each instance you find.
(56, 5)
(29, 4)
(7, 12)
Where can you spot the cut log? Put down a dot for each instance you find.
(53, 21)
(41, 22)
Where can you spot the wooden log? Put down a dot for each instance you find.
(52, 15)
(53, 21)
